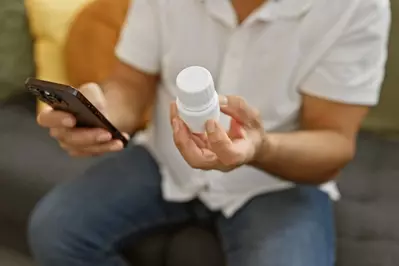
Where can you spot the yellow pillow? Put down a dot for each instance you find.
(49, 22)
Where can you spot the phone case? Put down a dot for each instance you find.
(68, 99)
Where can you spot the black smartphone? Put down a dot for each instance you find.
(68, 99)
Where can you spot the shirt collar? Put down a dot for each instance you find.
(283, 9)
(271, 10)
(221, 10)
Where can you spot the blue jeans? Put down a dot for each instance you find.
(85, 221)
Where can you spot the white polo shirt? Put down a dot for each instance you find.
(329, 49)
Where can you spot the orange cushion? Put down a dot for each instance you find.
(90, 47)
(89, 51)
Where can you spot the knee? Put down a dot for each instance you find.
(52, 226)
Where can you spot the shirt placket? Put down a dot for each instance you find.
(233, 62)
(232, 67)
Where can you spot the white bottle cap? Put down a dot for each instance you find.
(195, 87)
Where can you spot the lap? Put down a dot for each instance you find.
(286, 228)
(118, 197)
(121, 197)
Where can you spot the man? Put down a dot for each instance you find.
(296, 78)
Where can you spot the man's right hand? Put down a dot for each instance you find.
(80, 141)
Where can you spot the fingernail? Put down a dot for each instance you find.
(175, 125)
(210, 126)
(104, 137)
(223, 100)
(68, 122)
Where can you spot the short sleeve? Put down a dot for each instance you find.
(353, 69)
(139, 43)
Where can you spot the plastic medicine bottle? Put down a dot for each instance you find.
(197, 100)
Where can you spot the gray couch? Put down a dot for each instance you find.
(31, 163)
(367, 222)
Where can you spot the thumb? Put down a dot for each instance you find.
(126, 135)
(94, 93)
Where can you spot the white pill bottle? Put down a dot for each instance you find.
(197, 100)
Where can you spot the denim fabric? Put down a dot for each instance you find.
(87, 221)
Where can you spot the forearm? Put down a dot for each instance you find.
(128, 96)
(307, 157)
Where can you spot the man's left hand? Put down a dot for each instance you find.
(218, 149)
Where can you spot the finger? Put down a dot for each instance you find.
(237, 108)
(234, 106)
(126, 135)
(223, 101)
(45, 107)
(95, 94)
(95, 150)
(194, 155)
(219, 141)
(79, 154)
(111, 146)
(55, 119)
(81, 137)
(173, 113)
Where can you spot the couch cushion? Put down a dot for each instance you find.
(90, 47)
(11, 258)
(195, 246)
(15, 47)
(367, 217)
(384, 118)
(91, 41)
(30, 162)
(49, 22)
